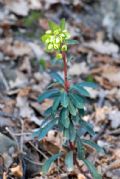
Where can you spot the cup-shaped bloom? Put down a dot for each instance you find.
(55, 38)
(64, 48)
(58, 55)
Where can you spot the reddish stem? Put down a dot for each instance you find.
(66, 82)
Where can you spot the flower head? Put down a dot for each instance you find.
(55, 38)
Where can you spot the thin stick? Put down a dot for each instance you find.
(36, 163)
(21, 139)
(39, 151)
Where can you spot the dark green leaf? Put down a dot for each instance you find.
(87, 126)
(81, 100)
(72, 132)
(92, 144)
(57, 78)
(81, 112)
(69, 161)
(72, 109)
(71, 42)
(48, 162)
(64, 99)
(56, 104)
(88, 84)
(48, 111)
(65, 118)
(66, 133)
(48, 94)
(76, 118)
(80, 150)
(80, 90)
(76, 102)
(81, 131)
(62, 24)
(92, 169)
(36, 133)
(44, 130)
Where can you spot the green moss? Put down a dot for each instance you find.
(32, 18)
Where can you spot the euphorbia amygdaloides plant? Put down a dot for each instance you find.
(68, 108)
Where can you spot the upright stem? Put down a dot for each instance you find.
(66, 82)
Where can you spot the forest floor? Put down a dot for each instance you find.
(24, 75)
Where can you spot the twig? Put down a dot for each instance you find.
(35, 163)
(102, 131)
(24, 133)
(21, 139)
(39, 151)
(12, 135)
(4, 80)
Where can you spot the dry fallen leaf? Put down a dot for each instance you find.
(15, 49)
(81, 176)
(78, 69)
(17, 171)
(101, 113)
(112, 74)
(114, 116)
(18, 7)
(102, 47)
(36, 4)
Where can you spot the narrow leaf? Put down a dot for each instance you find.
(48, 162)
(80, 150)
(76, 102)
(53, 26)
(57, 77)
(92, 144)
(92, 169)
(66, 133)
(43, 131)
(87, 126)
(72, 109)
(64, 99)
(71, 42)
(62, 24)
(72, 132)
(56, 104)
(80, 90)
(69, 161)
(88, 84)
(48, 94)
(64, 118)
(48, 111)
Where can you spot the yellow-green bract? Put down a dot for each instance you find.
(55, 38)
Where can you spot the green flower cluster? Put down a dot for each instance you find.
(55, 38)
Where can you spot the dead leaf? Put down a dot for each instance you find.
(108, 48)
(117, 153)
(78, 69)
(114, 116)
(112, 74)
(81, 176)
(17, 171)
(35, 5)
(101, 113)
(19, 7)
(15, 49)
